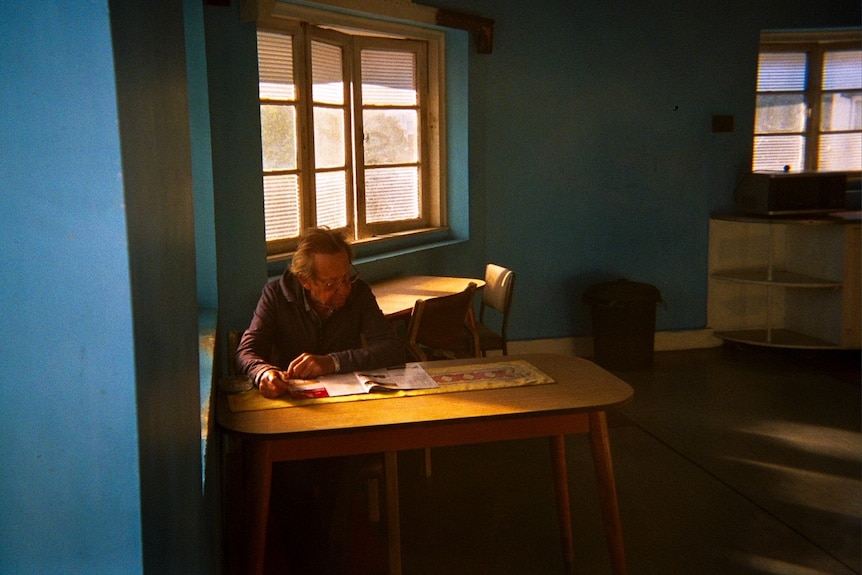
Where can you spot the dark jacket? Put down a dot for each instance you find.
(284, 326)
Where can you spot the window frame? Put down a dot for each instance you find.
(815, 44)
(358, 31)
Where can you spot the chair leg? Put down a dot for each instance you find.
(373, 472)
(373, 487)
(427, 462)
(393, 515)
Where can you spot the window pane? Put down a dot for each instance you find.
(840, 152)
(278, 136)
(391, 194)
(842, 70)
(841, 111)
(388, 78)
(781, 71)
(391, 136)
(281, 206)
(329, 133)
(776, 152)
(327, 76)
(331, 199)
(779, 113)
(275, 66)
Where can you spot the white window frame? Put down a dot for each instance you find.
(815, 44)
(289, 19)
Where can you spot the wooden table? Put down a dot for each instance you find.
(396, 296)
(576, 403)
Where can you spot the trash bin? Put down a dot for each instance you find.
(623, 323)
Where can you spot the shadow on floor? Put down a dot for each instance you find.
(729, 460)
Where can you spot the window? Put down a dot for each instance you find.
(809, 102)
(349, 137)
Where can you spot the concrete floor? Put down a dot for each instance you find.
(728, 461)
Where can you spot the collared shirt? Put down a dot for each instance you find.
(284, 326)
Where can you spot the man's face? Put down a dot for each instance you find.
(332, 280)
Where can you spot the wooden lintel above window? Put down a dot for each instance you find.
(481, 28)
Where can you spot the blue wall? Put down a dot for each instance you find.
(583, 141)
(583, 152)
(69, 482)
(592, 156)
(153, 107)
(202, 173)
(101, 422)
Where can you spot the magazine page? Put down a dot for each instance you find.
(327, 386)
(409, 376)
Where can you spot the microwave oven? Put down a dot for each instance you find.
(788, 193)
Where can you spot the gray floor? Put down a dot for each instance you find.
(728, 461)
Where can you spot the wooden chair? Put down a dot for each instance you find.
(497, 295)
(438, 326)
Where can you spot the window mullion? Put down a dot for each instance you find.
(354, 206)
(362, 230)
(813, 98)
(306, 129)
(424, 132)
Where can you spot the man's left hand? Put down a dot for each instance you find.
(308, 366)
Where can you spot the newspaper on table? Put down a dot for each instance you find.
(409, 376)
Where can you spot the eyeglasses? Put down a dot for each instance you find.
(346, 281)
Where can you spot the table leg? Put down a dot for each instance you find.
(561, 490)
(258, 488)
(393, 512)
(601, 449)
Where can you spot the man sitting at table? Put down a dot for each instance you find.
(318, 318)
(312, 320)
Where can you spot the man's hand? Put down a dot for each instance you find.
(273, 383)
(308, 366)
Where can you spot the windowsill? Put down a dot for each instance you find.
(378, 249)
(407, 250)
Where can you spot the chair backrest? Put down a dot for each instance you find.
(497, 294)
(440, 323)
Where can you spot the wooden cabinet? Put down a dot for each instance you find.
(785, 282)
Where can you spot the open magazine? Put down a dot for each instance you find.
(410, 376)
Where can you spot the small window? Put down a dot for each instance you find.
(809, 102)
(348, 136)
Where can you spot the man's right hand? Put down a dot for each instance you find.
(273, 383)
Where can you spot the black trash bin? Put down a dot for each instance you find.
(623, 323)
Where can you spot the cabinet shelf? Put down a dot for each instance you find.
(784, 338)
(792, 283)
(776, 278)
